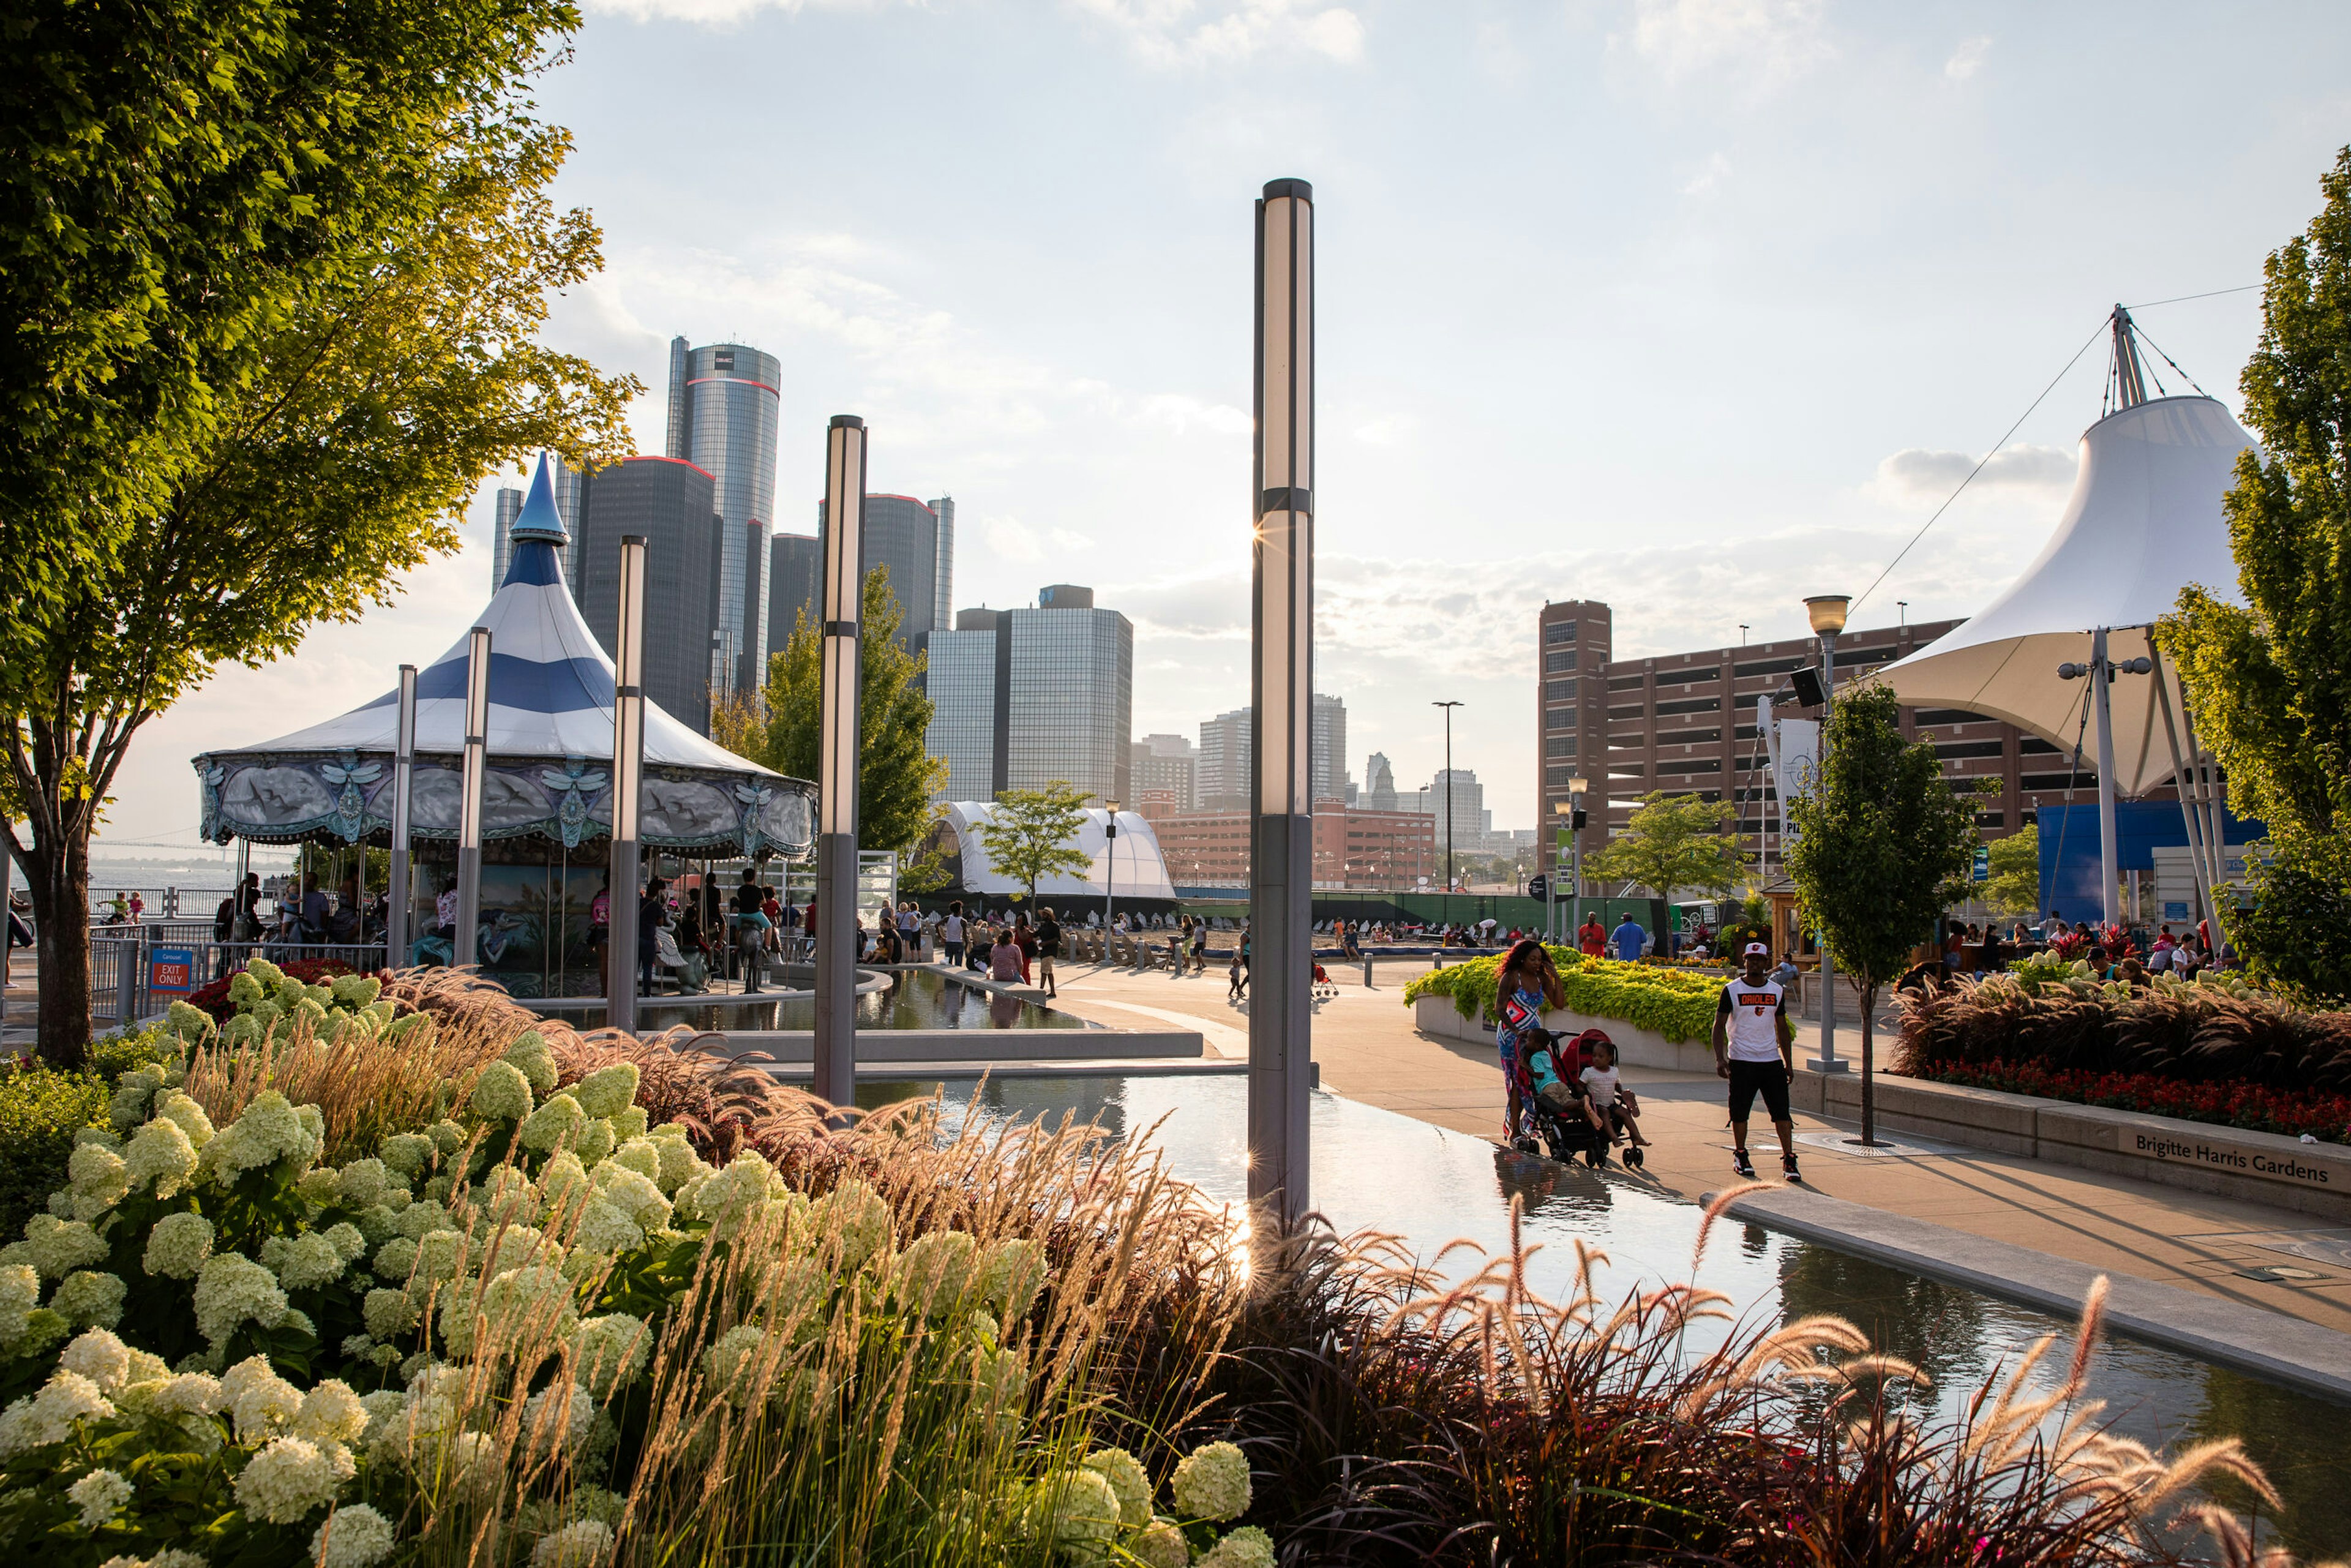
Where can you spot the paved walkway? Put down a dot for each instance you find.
(1369, 1051)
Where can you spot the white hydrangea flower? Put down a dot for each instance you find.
(232, 1289)
(390, 1314)
(353, 1537)
(20, 1292)
(440, 1255)
(607, 1091)
(852, 1221)
(1248, 1547)
(636, 1155)
(609, 1351)
(48, 1415)
(99, 1176)
(513, 1247)
(189, 1394)
(97, 1355)
(178, 1107)
(331, 1413)
(552, 1417)
(101, 1496)
(319, 1187)
(931, 1273)
(178, 1246)
(394, 1260)
(58, 1247)
(350, 1245)
(501, 1093)
(270, 1130)
(90, 1298)
(732, 1360)
(188, 1021)
(263, 1404)
(310, 1261)
(1127, 1481)
(530, 1055)
(679, 1163)
(629, 1123)
(584, 1543)
(632, 1191)
(1212, 1482)
(559, 1121)
(1161, 1544)
(386, 1429)
(1011, 1274)
(291, 1477)
(562, 1183)
(536, 1300)
(161, 1153)
(407, 1152)
(604, 1230)
(1080, 1512)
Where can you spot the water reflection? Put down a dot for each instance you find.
(1372, 1169)
(913, 998)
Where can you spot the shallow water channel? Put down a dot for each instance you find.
(915, 998)
(1374, 1169)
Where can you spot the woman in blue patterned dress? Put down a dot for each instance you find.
(1528, 984)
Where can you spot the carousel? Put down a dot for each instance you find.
(546, 809)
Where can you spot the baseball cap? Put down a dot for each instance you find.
(1757, 950)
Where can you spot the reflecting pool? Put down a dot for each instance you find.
(911, 999)
(1376, 1170)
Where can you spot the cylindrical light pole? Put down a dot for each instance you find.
(469, 807)
(1109, 872)
(399, 896)
(1281, 685)
(1449, 707)
(2101, 677)
(1827, 612)
(837, 748)
(628, 787)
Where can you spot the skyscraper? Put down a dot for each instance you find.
(1327, 766)
(1379, 783)
(942, 616)
(722, 408)
(1168, 763)
(1051, 689)
(566, 506)
(670, 502)
(1220, 781)
(795, 567)
(903, 535)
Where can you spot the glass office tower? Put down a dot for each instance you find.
(670, 503)
(723, 409)
(795, 570)
(1022, 698)
(962, 688)
(903, 534)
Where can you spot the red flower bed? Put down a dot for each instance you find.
(214, 998)
(2294, 1112)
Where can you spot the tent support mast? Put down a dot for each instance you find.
(2101, 675)
(2189, 815)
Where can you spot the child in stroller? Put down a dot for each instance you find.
(1324, 988)
(1556, 1107)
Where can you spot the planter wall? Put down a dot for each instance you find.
(1635, 1047)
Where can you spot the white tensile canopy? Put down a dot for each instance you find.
(1141, 872)
(2144, 521)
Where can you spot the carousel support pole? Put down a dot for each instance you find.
(628, 781)
(837, 753)
(398, 906)
(1282, 670)
(469, 808)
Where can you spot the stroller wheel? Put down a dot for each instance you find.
(1595, 1157)
(1635, 1159)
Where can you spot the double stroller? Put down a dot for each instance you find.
(1566, 1130)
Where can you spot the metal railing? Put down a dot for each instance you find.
(124, 967)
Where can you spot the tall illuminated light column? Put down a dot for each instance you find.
(1281, 689)
(837, 745)
(400, 902)
(1827, 612)
(627, 785)
(469, 800)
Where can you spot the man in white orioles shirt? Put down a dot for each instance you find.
(1753, 1042)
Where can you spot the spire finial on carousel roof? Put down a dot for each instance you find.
(538, 518)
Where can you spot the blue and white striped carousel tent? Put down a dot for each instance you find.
(550, 749)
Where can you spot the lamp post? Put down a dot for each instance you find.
(1827, 612)
(627, 785)
(1577, 788)
(1109, 873)
(400, 896)
(1449, 706)
(837, 748)
(469, 808)
(1281, 685)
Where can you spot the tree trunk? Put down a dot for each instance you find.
(57, 879)
(1868, 1056)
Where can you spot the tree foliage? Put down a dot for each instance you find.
(1879, 837)
(1030, 836)
(275, 272)
(1676, 841)
(895, 774)
(2269, 683)
(2015, 885)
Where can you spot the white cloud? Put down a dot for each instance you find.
(1717, 170)
(1183, 415)
(1967, 57)
(1916, 474)
(1767, 41)
(714, 13)
(1009, 538)
(1387, 430)
(1172, 32)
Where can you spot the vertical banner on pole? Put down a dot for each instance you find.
(399, 896)
(469, 807)
(837, 752)
(628, 780)
(1281, 689)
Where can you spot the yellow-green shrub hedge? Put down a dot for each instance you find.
(1676, 1003)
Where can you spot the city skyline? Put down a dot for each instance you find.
(1869, 312)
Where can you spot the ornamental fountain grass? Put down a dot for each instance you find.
(494, 1291)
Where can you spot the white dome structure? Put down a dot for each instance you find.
(1140, 874)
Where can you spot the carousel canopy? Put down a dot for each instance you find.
(1141, 872)
(2144, 521)
(549, 744)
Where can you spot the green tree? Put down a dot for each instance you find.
(895, 775)
(2015, 885)
(1877, 837)
(1030, 835)
(2269, 683)
(282, 268)
(1676, 841)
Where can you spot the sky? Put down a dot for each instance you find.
(1697, 306)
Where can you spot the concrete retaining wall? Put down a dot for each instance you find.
(1635, 1047)
(977, 1047)
(2259, 1168)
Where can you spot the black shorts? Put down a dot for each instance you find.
(1768, 1078)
